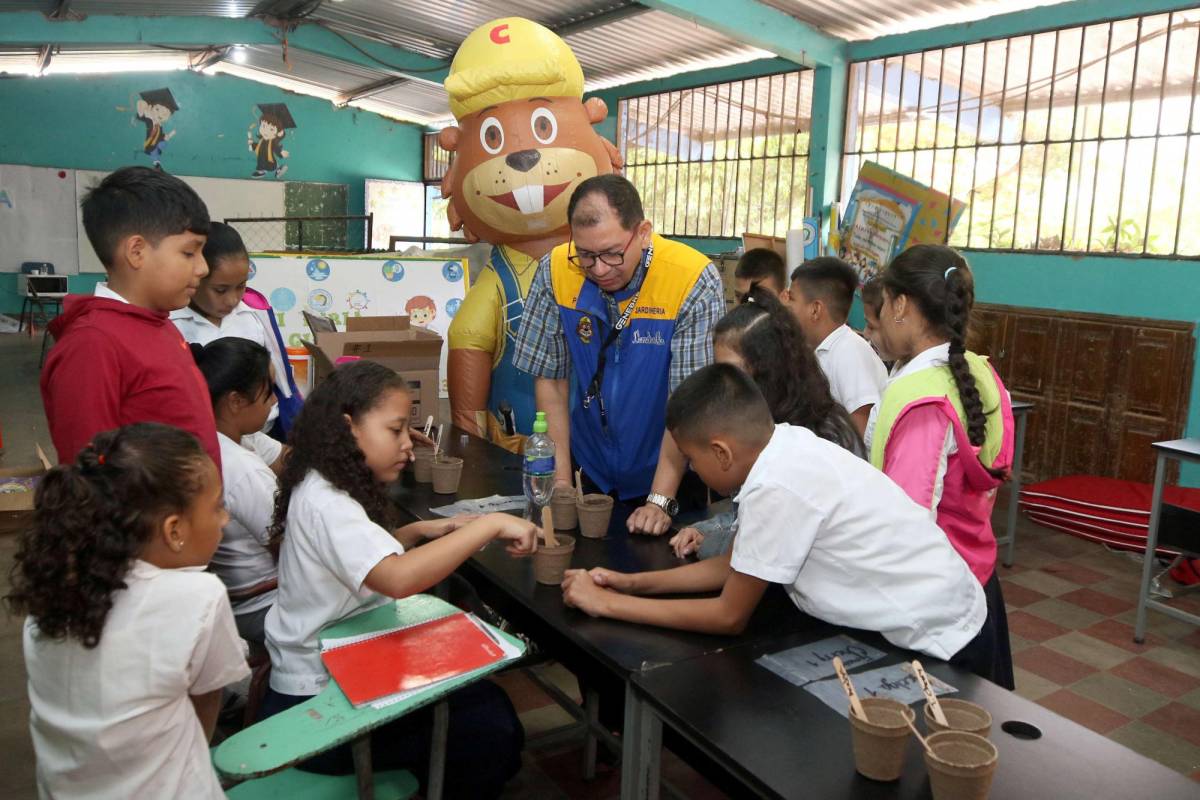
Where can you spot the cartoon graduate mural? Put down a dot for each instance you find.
(516, 90)
(273, 123)
(153, 109)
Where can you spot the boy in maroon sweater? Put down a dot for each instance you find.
(117, 358)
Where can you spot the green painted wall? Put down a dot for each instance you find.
(72, 121)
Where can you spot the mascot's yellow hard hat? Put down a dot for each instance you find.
(511, 59)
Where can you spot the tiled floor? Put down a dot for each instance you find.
(1071, 613)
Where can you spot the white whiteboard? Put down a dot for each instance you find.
(225, 197)
(36, 206)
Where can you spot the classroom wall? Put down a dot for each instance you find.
(87, 122)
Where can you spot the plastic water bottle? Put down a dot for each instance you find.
(538, 469)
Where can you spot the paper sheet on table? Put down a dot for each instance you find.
(511, 652)
(484, 505)
(897, 682)
(810, 662)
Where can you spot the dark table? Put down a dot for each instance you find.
(1179, 450)
(606, 651)
(777, 740)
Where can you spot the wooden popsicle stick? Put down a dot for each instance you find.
(548, 527)
(920, 738)
(848, 687)
(437, 444)
(934, 706)
(579, 482)
(428, 424)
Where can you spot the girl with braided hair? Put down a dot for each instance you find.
(128, 642)
(943, 429)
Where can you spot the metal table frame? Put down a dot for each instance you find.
(1020, 411)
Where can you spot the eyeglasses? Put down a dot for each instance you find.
(613, 258)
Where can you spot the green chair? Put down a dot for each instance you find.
(262, 754)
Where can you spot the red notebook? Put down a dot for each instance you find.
(410, 658)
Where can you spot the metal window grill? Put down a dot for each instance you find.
(1081, 139)
(723, 159)
(437, 159)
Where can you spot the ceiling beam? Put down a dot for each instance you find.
(368, 90)
(603, 18)
(206, 58)
(762, 26)
(29, 28)
(60, 10)
(43, 58)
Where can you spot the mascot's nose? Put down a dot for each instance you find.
(523, 160)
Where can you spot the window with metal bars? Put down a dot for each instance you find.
(721, 160)
(1081, 139)
(437, 159)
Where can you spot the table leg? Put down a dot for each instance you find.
(360, 749)
(1160, 470)
(1015, 488)
(641, 750)
(437, 751)
(591, 712)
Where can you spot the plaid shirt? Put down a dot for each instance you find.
(541, 348)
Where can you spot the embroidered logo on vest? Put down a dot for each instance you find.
(584, 329)
(654, 338)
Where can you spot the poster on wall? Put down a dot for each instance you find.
(273, 122)
(888, 212)
(34, 201)
(427, 290)
(153, 108)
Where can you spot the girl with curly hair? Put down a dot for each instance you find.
(238, 374)
(762, 338)
(128, 643)
(943, 429)
(340, 555)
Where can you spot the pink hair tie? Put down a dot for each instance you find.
(346, 360)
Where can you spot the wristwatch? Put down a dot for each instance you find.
(667, 504)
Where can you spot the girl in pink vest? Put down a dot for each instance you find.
(943, 429)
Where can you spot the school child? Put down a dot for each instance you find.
(117, 359)
(238, 373)
(762, 339)
(759, 266)
(820, 297)
(340, 556)
(224, 306)
(128, 642)
(944, 428)
(849, 546)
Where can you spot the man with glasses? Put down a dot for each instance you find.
(625, 316)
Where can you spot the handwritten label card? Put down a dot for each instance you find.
(811, 662)
(485, 505)
(897, 682)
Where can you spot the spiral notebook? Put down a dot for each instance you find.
(385, 667)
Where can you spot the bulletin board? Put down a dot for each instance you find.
(339, 287)
(36, 206)
(225, 197)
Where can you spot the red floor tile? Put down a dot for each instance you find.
(566, 770)
(1178, 720)
(1032, 627)
(524, 693)
(1192, 639)
(1099, 602)
(1017, 595)
(1075, 573)
(1120, 634)
(1087, 713)
(1053, 666)
(1153, 675)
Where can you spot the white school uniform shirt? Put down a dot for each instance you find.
(242, 322)
(116, 721)
(936, 356)
(242, 559)
(855, 372)
(852, 548)
(102, 290)
(329, 546)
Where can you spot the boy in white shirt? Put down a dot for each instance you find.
(820, 297)
(848, 544)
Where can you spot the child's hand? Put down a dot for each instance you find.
(686, 542)
(521, 534)
(443, 526)
(610, 579)
(580, 590)
(420, 438)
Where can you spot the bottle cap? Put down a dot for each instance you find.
(539, 423)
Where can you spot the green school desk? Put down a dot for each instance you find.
(329, 720)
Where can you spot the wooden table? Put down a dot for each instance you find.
(776, 740)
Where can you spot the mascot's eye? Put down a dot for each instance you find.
(545, 126)
(491, 135)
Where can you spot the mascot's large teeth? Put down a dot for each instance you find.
(530, 199)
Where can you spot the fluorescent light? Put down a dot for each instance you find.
(239, 54)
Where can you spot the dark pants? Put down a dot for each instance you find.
(483, 746)
(989, 654)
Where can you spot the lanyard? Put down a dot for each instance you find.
(594, 388)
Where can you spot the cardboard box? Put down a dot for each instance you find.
(411, 351)
(17, 485)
